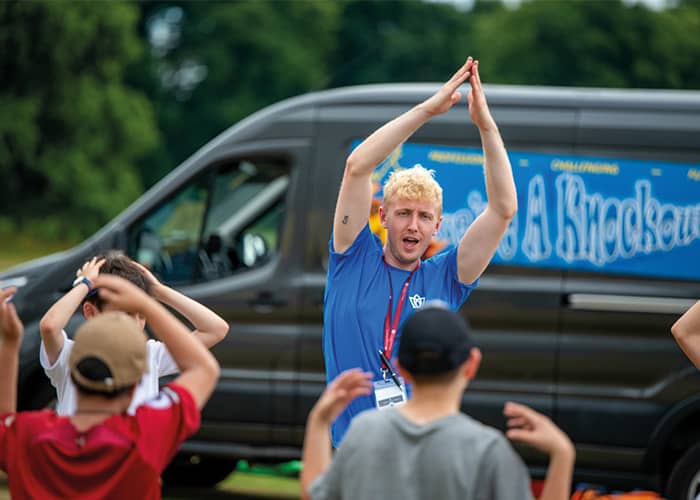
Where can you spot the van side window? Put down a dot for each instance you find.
(225, 222)
(167, 241)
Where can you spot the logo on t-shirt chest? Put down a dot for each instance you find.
(416, 301)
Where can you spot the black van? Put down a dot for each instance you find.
(573, 316)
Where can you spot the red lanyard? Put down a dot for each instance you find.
(390, 326)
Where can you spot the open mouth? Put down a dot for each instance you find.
(410, 243)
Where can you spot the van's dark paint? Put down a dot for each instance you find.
(612, 378)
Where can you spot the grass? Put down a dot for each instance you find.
(15, 249)
(258, 482)
(237, 485)
(247, 483)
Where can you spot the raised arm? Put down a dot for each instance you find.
(481, 239)
(11, 330)
(57, 317)
(199, 370)
(686, 331)
(537, 430)
(316, 454)
(210, 328)
(355, 197)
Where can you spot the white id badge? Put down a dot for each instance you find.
(387, 394)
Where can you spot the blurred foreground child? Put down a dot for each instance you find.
(101, 451)
(427, 448)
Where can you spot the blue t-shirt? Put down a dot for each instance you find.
(355, 307)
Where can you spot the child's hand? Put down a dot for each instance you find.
(121, 294)
(153, 282)
(338, 394)
(530, 427)
(91, 269)
(11, 327)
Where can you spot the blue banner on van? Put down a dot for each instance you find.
(608, 215)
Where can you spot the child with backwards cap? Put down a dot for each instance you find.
(427, 448)
(101, 451)
(56, 347)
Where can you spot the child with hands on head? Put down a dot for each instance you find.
(56, 346)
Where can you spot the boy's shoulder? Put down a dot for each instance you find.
(30, 424)
(460, 427)
(469, 426)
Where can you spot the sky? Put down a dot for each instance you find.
(652, 4)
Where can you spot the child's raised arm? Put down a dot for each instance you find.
(199, 370)
(686, 331)
(11, 331)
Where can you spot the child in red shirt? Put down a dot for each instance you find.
(101, 451)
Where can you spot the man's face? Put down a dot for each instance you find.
(410, 225)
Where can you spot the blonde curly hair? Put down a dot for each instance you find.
(415, 184)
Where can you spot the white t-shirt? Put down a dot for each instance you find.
(160, 364)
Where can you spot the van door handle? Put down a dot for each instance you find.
(266, 302)
(628, 303)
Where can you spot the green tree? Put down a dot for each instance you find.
(604, 44)
(403, 41)
(70, 129)
(213, 63)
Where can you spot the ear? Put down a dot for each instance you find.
(471, 365)
(437, 226)
(382, 216)
(141, 320)
(90, 310)
(402, 371)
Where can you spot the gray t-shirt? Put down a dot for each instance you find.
(385, 456)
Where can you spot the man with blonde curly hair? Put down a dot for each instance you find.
(371, 289)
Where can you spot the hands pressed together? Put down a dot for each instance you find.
(449, 94)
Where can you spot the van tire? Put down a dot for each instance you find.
(196, 471)
(684, 481)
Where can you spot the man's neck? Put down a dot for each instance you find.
(393, 262)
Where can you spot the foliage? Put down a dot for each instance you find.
(217, 62)
(406, 41)
(100, 102)
(602, 44)
(70, 129)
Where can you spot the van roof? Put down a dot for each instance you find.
(509, 95)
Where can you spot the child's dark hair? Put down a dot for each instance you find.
(118, 264)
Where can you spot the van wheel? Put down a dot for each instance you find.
(684, 481)
(198, 471)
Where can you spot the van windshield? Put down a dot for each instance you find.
(223, 222)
